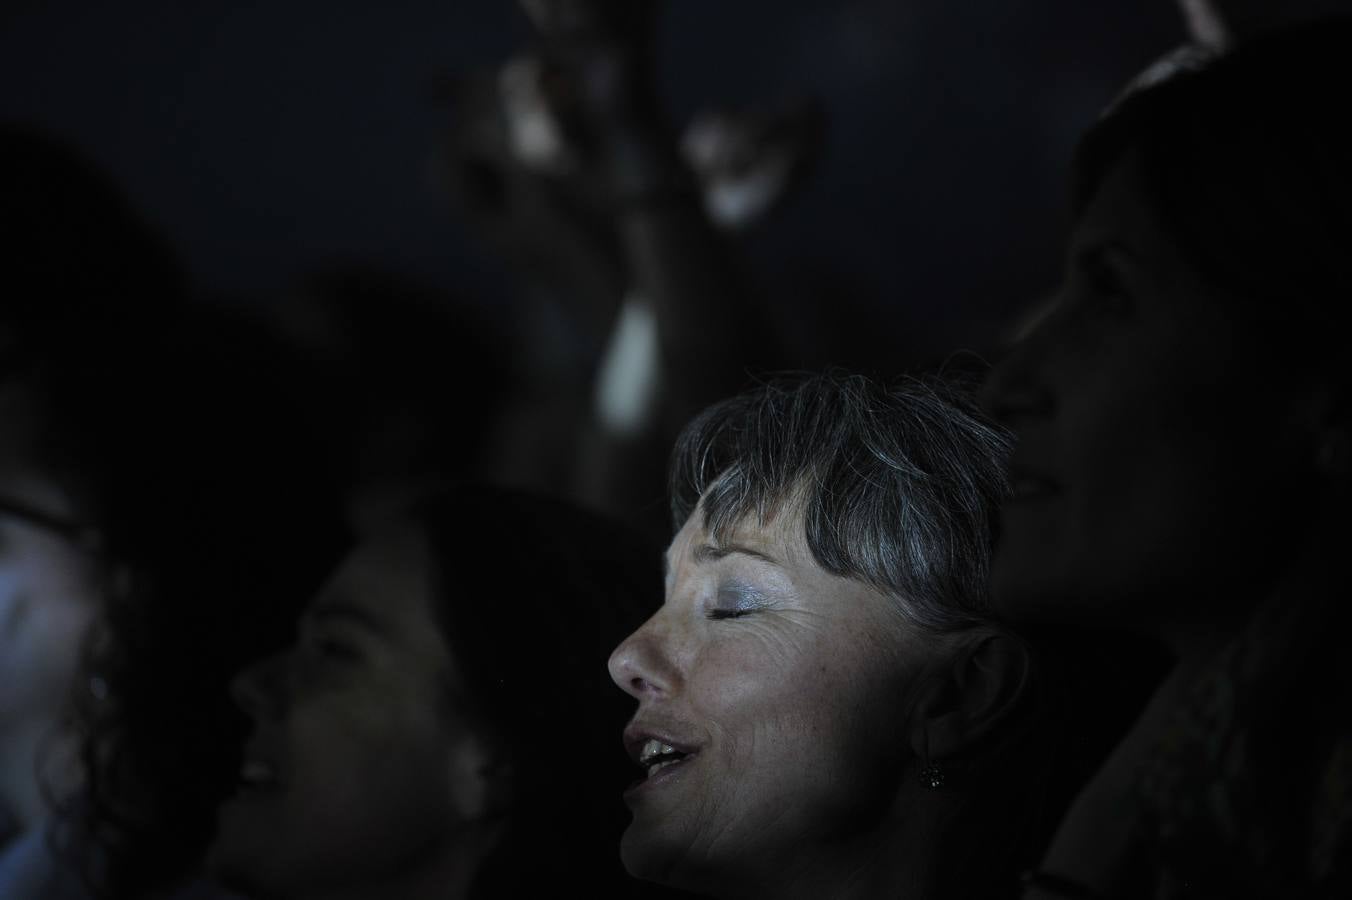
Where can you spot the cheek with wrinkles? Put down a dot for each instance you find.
(753, 668)
(768, 698)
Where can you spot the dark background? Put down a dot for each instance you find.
(269, 139)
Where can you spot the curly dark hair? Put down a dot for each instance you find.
(210, 509)
(218, 521)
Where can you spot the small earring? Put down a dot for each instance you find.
(932, 776)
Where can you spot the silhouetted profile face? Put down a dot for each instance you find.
(1158, 466)
(771, 699)
(360, 764)
(50, 581)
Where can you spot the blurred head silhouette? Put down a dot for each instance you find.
(442, 725)
(1181, 408)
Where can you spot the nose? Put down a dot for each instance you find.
(642, 665)
(1017, 387)
(259, 690)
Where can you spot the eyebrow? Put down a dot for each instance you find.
(706, 553)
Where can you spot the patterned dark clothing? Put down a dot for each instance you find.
(1250, 791)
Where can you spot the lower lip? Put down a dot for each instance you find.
(663, 776)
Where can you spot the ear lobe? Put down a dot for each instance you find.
(972, 696)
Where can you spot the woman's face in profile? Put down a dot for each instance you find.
(358, 760)
(1154, 453)
(771, 698)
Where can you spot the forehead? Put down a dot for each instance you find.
(388, 578)
(781, 536)
(1120, 207)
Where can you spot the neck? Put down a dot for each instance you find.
(900, 857)
(1301, 592)
(1311, 576)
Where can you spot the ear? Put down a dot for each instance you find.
(480, 778)
(971, 696)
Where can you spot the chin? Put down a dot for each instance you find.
(643, 856)
(665, 860)
(1037, 599)
(222, 855)
(652, 856)
(1019, 590)
(244, 858)
(258, 871)
(1023, 595)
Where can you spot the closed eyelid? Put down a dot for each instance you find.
(740, 595)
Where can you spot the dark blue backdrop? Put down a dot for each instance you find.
(269, 138)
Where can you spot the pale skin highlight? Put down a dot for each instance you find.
(777, 698)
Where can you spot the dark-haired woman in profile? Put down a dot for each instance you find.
(443, 726)
(151, 487)
(1184, 416)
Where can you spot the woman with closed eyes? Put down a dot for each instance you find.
(824, 706)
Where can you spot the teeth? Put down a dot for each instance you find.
(653, 748)
(657, 767)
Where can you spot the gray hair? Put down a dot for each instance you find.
(898, 484)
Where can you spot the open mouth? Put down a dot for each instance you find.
(256, 774)
(655, 756)
(660, 755)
